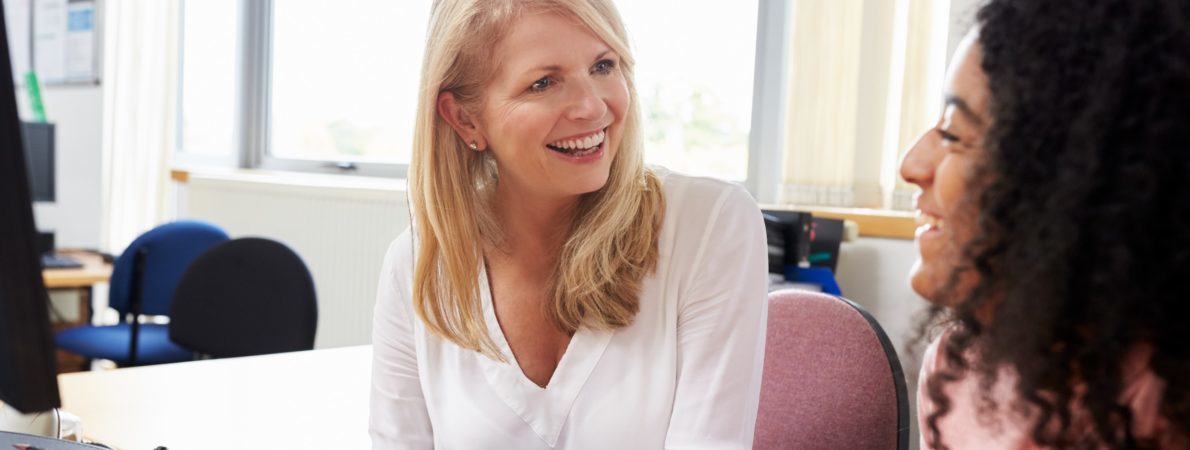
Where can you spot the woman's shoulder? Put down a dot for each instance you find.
(704, 197)
(398, 258)
(708, 218)
(402, 246)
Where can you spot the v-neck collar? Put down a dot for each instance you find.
(544, 409)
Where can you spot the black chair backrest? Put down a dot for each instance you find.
(247, 296)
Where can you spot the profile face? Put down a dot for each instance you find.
(553, 112)
(942, 163)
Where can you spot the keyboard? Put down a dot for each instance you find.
(52, 261)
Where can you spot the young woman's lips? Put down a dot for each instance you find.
(928, 226)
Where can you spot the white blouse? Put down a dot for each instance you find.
(685, 374)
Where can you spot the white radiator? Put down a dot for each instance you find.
(341, 227)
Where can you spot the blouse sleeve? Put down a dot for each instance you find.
(721, 330)
(398, 416)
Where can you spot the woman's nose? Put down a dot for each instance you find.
(587, 102)
(918, 165)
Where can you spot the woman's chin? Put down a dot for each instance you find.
(923, 282)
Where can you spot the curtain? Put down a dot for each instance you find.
(140, 79)
(915, 98)
(864, 78)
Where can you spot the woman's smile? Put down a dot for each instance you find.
(584, 148)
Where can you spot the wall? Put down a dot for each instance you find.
(340, 226)
(77, 112)
(76, 215)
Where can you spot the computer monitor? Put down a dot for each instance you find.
(28, 379)
(39, 158)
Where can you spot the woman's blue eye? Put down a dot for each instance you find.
(605, 66)
(541, 85)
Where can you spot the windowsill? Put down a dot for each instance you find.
(875, 223)
(318, 180)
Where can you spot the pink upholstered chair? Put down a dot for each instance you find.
(832, 379)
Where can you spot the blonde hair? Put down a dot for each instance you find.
(607, 253)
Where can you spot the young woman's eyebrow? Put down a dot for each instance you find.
(964, 108)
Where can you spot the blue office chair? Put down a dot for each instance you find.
(142, 283)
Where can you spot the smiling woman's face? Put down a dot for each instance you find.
(942, 164)
(553, 113)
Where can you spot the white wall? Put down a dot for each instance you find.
(77, 112)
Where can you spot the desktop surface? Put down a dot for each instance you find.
(94, 270)
(311, 399)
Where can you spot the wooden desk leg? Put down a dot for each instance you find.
(86, 310)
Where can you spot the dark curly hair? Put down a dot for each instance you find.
(1083, 252)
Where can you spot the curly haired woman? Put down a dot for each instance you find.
(1055, 237)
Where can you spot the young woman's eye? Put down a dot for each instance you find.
(947, 137)
(604, 66)
(541, 85)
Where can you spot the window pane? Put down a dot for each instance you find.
(346, 91)
(695, 61)
(208, 76)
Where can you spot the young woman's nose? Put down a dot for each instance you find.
(918, 165)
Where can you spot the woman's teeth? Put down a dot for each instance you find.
(929, 219)
(580, 146)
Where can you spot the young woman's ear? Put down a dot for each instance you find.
(461, 121)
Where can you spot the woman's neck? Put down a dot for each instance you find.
(533, 224)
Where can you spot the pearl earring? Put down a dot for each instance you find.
(473, 146)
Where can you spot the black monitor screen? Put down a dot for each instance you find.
(27, 375)
(39, 158)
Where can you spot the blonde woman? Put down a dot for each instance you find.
(553, 292)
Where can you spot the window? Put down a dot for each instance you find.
(302, 84)
(808, 102)
(695, 86)
(344, 79)
(208, 81)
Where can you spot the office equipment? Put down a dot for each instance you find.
(50, 259)
(826, 237)
(247, 296)
(27, 442)
(56, 261)
(142, 283)
(832, 378)
(27, 380)
(788, 234)
(27, 376)
(791, 239)
(39, 155)
(301, 400)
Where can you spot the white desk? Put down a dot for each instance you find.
(304, 400)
